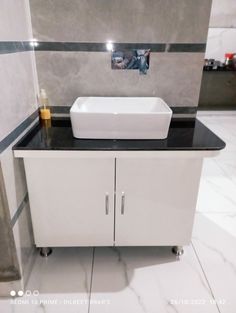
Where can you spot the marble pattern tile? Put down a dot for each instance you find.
(18, 91)
(121, 21)
(217, 190)
(225, 127)
(57, 281)
(226, 221)
(223, 13)
(219, 42)
(67, 75)
(148, 279)
(214, 240)
(15, 22)
(218, 182)
(214, 235)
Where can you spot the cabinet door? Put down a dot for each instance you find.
(155, 200)
(71, 200)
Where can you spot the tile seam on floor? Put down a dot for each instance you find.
(208, 283)
(91, 279)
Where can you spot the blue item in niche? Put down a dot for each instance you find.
(136, 59)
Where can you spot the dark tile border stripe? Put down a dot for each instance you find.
(186, 47)
(20, 209)
(60, 109)
(20, 46)
(15, 46)
(96, 47)
(101, 47)
(17, 131)
(184, 110)
(176, 110)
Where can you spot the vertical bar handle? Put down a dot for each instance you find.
(122, 203)
(107, 203)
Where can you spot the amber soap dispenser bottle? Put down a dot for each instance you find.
(45, 113)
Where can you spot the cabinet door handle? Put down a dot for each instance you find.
(107, 204)
(122, 203)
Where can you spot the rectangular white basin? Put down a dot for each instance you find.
(120, 118)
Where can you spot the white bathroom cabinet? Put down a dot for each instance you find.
(80, 198)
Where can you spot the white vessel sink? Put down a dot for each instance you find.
(120, 118)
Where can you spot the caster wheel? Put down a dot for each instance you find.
(178, 250)
(45, 252)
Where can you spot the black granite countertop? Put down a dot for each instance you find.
(183, 134)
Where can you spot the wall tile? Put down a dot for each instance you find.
(223, 13)
(175, 77)
(23, 235)
(15, 20)
(18, 90)
(219, 42)
(120, 20)
(14, 175)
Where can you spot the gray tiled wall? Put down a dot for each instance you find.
(17, 90)
(175, 77)
(66, 75)
(121, 20)
(17, 71)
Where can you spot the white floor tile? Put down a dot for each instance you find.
(217, 190)
(214, 239)
(148, 279)
(226, 221)
(224, 127)
(5, 306)
(62, 281)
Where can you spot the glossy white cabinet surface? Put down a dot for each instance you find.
(103, 200)
(155, 200)
(71, 201)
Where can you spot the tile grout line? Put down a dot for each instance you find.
(208, 283)
(20, 208)
(91, 280)
(18, 130)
